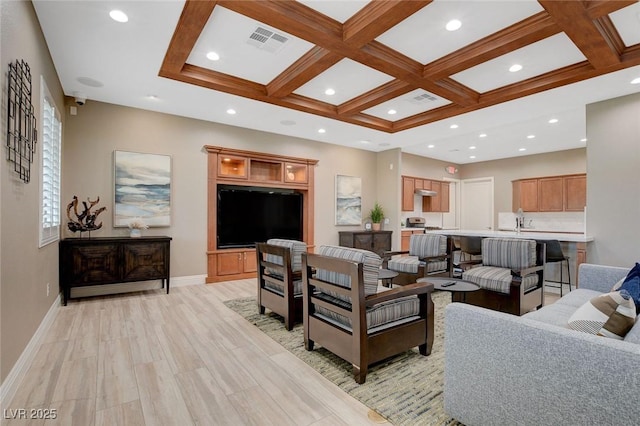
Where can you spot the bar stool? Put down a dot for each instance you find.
(555, 254)
(471, 246)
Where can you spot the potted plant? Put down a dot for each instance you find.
(376, 215)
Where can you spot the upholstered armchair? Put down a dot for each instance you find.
(510, 275)
(280, 278)
(347, 313)
(429, 254)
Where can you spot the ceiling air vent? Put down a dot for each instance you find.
(268, 40)
(422, 99)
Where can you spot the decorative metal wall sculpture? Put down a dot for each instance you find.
(85, 221)
(21, 121)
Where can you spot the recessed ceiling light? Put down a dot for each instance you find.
(118, 16)
(472, 156)
(522, 149)
(365, 142)
(531, 136)
(152, 97)
(213, 56)
(391, 111)
(321, 130)
(472, 147)
(515, 67)
(329, 92)
(430, 146)
(482, 135)
(553, 121)
(635, 81)
(453, 126)
(583, 140)
(453, 25)
(231, 111)
(288, 123)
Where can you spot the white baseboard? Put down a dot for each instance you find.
(14, 378)
(188, 280)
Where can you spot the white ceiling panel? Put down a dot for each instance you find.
(348, 78)
(228, 34)
(423, 36)
(536, 59)
(409, 104)
(340, 10)
(627, 21)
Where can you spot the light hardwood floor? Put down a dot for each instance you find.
(184, 358)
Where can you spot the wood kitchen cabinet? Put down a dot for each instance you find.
(375, 241)
(405, 238)
(438, 203)
(575, 191)
(408, 189)
(525, 195)
(550, 194)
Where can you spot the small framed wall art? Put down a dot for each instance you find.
(348, 200)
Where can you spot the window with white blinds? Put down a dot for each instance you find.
(51, 136)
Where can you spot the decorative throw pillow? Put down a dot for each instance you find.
(631, 283)
(609, 315)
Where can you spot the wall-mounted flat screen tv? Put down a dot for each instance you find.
(248, 214)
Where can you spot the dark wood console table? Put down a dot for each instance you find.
(112, 260)
(375, 241)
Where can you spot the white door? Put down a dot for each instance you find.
(477, 204)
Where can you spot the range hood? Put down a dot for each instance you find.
(426, 192)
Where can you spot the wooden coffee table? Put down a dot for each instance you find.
(459, 286)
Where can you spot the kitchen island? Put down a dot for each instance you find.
(574, 245)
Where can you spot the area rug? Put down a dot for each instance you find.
(406, 390)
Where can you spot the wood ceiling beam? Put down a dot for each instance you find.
(310, 65)
(301, 21)
(193, 18)
(380, 94)
(376, 18)
(600, 8)
(551, 80)
(572, 17)
(521, 34)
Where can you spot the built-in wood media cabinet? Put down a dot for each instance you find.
(237, 167)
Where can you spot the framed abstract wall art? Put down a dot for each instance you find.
(348, 200)
(142, 188)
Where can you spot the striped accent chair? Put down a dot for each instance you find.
(510, 275)
(280, 278)
(348, 313)
(429, 254)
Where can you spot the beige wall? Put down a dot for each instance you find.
(389, 193)
(506, 170)
(413, 165)
(25, 269)
(613, 177)
(101, 128)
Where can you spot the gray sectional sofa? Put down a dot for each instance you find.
(501, 369)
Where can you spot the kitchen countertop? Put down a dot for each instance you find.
(565, 237)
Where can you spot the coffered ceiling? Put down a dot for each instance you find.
(397, 77)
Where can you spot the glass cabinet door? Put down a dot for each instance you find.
(232, 166)
(296, 173)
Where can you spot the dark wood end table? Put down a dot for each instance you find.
(387, 276)
(459, 286)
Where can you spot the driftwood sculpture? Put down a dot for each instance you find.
(85, 221)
